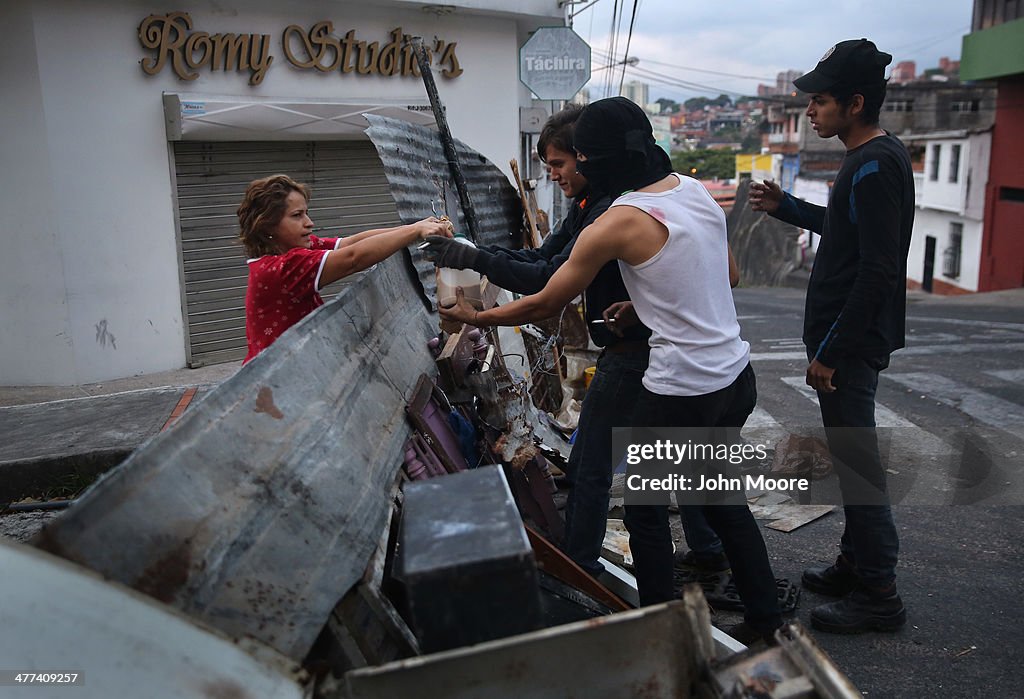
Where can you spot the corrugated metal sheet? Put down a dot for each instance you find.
(262, 505)
(417, 169)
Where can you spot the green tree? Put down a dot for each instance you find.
(728, 133)
(696, 103)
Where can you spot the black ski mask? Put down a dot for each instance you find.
(616, 137)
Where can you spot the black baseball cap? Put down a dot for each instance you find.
(852, 63)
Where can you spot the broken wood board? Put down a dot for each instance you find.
(615, 546)
(532, 237)
(262, 505)
(552, 561)
(795, 516)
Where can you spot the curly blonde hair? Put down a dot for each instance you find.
(262, 209)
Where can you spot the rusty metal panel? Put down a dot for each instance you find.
(415, 165)
(261, 507)
(59, 618)
(654, 652)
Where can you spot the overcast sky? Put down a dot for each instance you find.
(671, 38)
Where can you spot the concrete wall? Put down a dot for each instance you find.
(89, 279)
(34, 299)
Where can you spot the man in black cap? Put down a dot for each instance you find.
(669, 237)
(854, 318)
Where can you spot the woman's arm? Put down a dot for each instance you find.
(363, 235)
(363, 250)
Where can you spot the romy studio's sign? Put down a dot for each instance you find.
(172, 42)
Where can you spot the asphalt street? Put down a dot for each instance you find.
(951, 407)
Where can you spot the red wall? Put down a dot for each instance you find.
(1002, 263)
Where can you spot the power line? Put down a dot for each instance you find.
(925, 43)
(678, 82)
(612, 46)
(703, 70)
(629, 39)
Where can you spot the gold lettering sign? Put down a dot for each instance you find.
(172, 41)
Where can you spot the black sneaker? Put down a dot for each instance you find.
(703, 562)
(861, 610)
(836, 580)
(749, 636)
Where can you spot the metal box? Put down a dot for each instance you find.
(465, 561)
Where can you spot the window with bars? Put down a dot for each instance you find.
(899, 106)
(964, 106)
(933, 173)
(954, 164)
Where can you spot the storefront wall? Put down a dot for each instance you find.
(90, 276)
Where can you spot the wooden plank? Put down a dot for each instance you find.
(532, 237)
(553, 562)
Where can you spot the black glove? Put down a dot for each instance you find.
(445, 252)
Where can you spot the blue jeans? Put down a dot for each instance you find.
(607, 404)
(650, 539)
(869, 541)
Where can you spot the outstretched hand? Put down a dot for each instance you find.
(434, 227)
(765, 196)
(462, 311)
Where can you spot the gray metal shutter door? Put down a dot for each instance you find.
(350, 194)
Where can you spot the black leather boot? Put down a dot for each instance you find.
(836, 580)
(749, 636)
(862, 610)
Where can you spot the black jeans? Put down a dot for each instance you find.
(609, 400)
(650, 539)
(869, 541)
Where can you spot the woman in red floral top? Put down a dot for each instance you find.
(288, 265)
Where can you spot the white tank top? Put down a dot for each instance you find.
(683, 295)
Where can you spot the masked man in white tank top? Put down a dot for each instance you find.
(669, 237)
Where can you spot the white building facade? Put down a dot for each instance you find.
(130, 130)
(945, 250)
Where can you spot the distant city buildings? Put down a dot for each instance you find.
(637, 92)
(904, 72)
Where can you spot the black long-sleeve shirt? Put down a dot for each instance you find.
(856, 297)
(528, 271)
